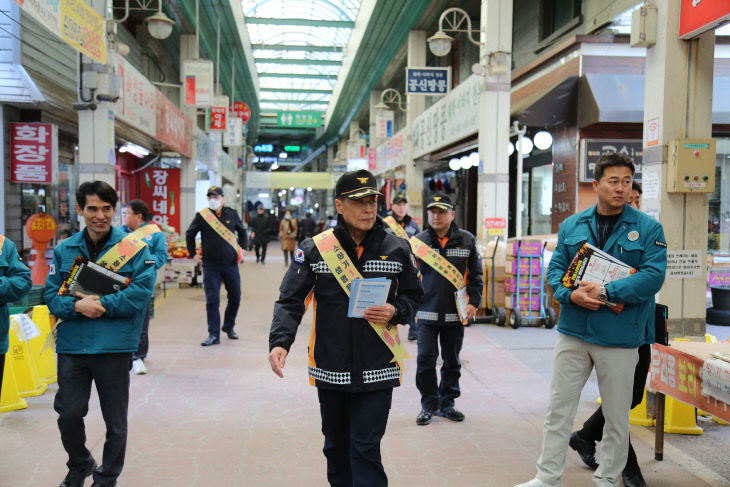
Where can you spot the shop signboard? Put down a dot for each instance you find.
(47, 12)
(384, 123)
(198, 81)
(173, 128)
(495, 226)
(84, 29)
(372, 154)
(241, 110)
(217, 114)
(698, 16)
(592, 149)
(391, 153)
(34, 152)
(137, 102)
(299, 119)
(161, 188)
(428, 81)
(233, 136)
(450, 119)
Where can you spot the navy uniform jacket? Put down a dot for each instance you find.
(407, 223)
(215, 249)
(439, 304)
(346, 354)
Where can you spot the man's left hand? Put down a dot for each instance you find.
(471, 311)
(380, 314)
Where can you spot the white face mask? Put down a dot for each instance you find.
(214, 203)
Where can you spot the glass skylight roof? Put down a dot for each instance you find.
(298, 59)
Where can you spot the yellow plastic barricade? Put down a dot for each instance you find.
(10, 399)
(45, 359)
(639, 415)
(26, 370)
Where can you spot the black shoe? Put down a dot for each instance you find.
(424, 417)
(451, 413)
(231, 334)
(97, 484)
(412, 334)
(632, 477)
(76, 479)
(586, 450)
(212, 340)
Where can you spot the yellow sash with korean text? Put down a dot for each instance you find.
(221, 230)
(345, 271)
(437, 262)
(395, 226)
(125, 249)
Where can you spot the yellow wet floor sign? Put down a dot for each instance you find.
(10, 399)
(26, 370)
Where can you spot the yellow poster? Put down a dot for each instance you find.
(83, 29)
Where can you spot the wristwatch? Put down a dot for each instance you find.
(602, 294)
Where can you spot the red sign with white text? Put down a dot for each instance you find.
(240, 110)
(160, 189)
(173, 128)
(33, 150)
(698, 16)
(217, 118)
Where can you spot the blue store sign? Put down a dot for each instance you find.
(428, 81)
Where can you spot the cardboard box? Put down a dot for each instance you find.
(525, 248)
(498, 286)
(510, 284)
(510, 267)
(525, 302)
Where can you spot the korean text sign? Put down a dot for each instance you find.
(160, 189)
(33, 148)
(428, 81)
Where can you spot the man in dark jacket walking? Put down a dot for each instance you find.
(350, 359)
(307, 227)
(444, 245)
(260, 229)
(222, 251)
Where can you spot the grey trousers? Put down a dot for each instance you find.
(574, 360)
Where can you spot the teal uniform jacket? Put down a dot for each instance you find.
(157, 244)
(117, 330)
(638, 240)
(14, 284)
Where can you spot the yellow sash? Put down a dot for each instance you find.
(146, 230)
(123, 251)
(221, 230)
(437, 262)
(345, 271)
(395, 226)
(2, 242)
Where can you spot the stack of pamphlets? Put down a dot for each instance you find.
(91, 279)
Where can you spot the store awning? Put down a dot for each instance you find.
(555, 107)
(617, 98)
(16, 86)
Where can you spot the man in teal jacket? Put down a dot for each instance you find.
(135, 215)
(14, 284)
(96, 338)
(592, 335)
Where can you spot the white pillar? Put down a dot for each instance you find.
(188, 50)
(676, 72)
(416, 105)
(494, 108)
(375, 141)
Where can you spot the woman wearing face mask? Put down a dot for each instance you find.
(288, 235)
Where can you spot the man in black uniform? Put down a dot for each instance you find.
(438, 319)
(260, 227)
(349, 362)
(220, 262)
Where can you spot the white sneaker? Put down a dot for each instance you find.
(536, 483)
(138, 367)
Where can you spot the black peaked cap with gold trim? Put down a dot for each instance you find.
(356, 185)
(440, 200)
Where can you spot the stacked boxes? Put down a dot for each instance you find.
(180, 271)
(530, 275)
(498, 252)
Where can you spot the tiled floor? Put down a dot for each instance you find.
(218, 416)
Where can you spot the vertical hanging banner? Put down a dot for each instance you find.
(233, 136)
(84, 29)
(34, 150)
(160, 189)
(241, 110)
(384, 123)
(217, 114)
(173, 128)
(198, 81)
(137, 103)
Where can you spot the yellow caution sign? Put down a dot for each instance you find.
(639, 415)
(26, 370)
(680, 418)
(10, 399)
(45, 358)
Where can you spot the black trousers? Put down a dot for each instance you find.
(110, 373)
(287, 255)
(260, 249)
(434, 395)
(593, 427)
(144, 339)
(353, 423)
(2, 371)
(213, 275)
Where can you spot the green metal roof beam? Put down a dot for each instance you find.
(285, 47)
(306, 62)
(341, 24)
(298, 76)
(295, 102)
(295, 90)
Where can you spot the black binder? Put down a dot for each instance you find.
(90, 278)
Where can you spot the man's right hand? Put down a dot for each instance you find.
(198, 259)
(586, 296)
(277, 359)
(89, 306)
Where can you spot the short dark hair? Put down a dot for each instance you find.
(140, 208)
(101, 189)
(611, 160)
(637, 186)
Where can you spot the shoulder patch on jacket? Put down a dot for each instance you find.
(149, 262)
(299, 256)
(659, 243)
(52, 270)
